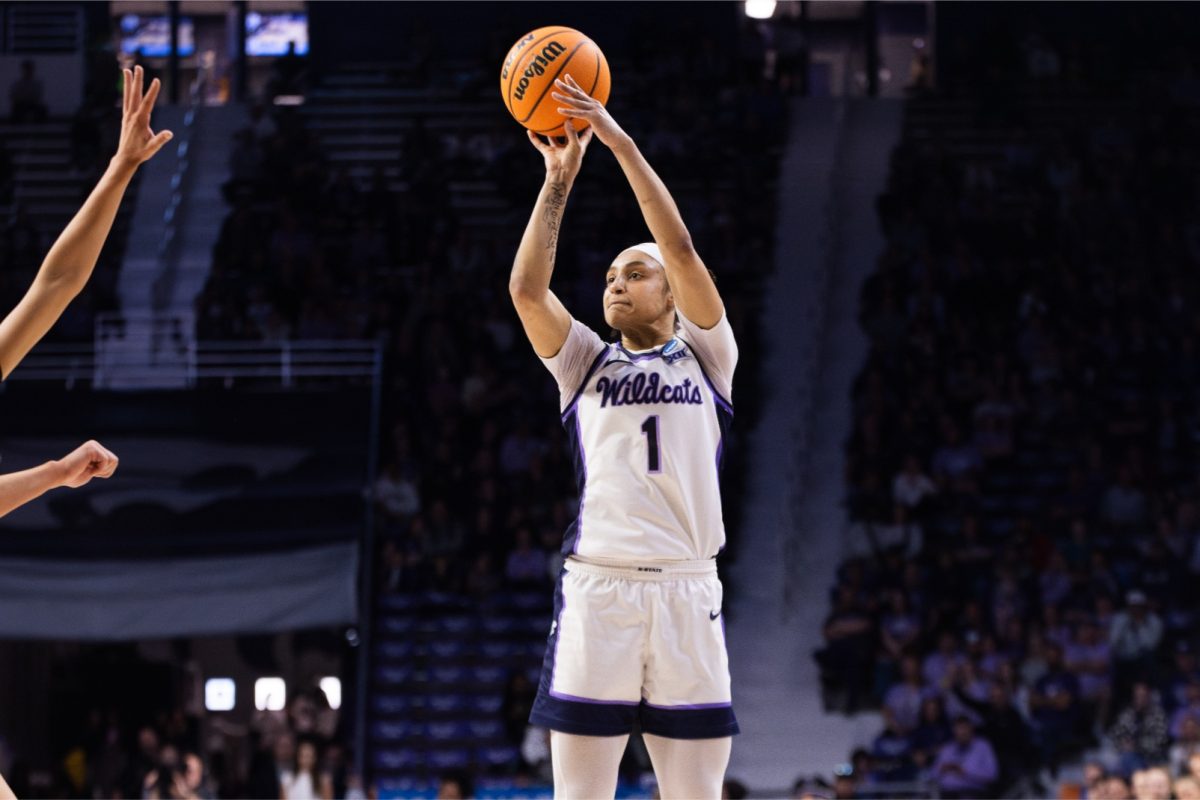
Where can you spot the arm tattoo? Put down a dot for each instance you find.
(552, 216)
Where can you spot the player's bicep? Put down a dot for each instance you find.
(692, 285)
(546, 321)
(27, 323)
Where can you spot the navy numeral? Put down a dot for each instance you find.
(650, 428)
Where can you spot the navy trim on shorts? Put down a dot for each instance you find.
(583, 717)
(714, 721)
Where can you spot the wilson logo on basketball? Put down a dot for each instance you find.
(538, 67)
(516, 51)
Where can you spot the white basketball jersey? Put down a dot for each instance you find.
(647, 430)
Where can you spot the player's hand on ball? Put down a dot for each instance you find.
(577, 104)
(89, 460)
(566, 158)
(138, 142)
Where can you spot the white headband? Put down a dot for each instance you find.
(650, 249)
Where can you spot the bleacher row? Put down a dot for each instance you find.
(441, 667)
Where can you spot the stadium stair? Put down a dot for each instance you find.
(827, 242)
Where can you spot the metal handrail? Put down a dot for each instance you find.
(228, 360)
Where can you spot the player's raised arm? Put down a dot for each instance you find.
(546, 321)
(69, 264)
(695, 293)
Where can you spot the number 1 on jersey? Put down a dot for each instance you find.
(650, 428)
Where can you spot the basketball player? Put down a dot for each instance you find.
(63, 274)
(637, 633)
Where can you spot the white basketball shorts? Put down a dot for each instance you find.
(641, 643)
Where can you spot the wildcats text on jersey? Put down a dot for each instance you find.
(644, 389)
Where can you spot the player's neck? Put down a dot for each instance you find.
(646, 338)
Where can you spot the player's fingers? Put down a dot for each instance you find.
(570, 88)
(156, 144)
(126, 85)
(568, 99)
(106, 464)
(139, 75)
(148, 101)
(535, 141)
(585, 137)
(571, 134)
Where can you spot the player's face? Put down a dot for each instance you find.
(636, 291)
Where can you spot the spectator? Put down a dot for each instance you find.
(396, 494)
(1054, 706)
(1185, 746)
(1094, 775)
(1003, 726)
(1135, 635)
(938, 665)
(931, 732)
(1189, 710)
(302, 782)
(902, 703)
(891, 755)
(269, 776)
(1087, 655)
(1187, 788)
(848, 648)
(911, 487)
(966, 766)
(1114, 787)
(456, 785)
(1141, 733)
(1184, 672)
(1154, 784)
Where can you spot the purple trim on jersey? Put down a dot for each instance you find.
(655, 353)
(582, 482)
(689, 708)
(721, 401)
(574, 699)
(583, 384)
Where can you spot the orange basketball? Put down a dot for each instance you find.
(529, 70)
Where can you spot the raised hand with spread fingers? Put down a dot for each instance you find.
(63, 275)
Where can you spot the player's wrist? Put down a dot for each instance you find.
(560, 175)
(622, 143)
(122, 167)
(56, 473)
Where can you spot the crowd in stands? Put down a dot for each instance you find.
(476, 487)
(293, 754)
(1022, 465)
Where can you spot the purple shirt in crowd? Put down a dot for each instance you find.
(977, 761)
